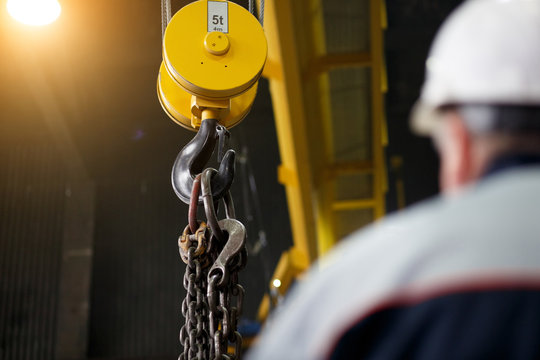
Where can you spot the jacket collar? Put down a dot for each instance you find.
(511, 161)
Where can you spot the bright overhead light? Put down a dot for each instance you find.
(34, 12)
(276, 283)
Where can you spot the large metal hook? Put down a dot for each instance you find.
(193, 158)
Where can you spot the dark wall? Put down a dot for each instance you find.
(412, 25)
(32, 196)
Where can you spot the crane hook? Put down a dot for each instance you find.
(193, 158)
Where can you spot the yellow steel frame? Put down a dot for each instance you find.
(308, 170)
(283, 71)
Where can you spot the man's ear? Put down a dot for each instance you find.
(455, 151)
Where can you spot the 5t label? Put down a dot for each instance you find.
(218, 16)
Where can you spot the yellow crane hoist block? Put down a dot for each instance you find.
(213, 56)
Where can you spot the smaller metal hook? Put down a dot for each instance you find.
(194, 157)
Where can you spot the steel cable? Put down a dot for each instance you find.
(165, 15)
(251, 9)
(261, 13)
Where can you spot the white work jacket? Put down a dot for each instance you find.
(486, 239)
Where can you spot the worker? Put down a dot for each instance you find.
(458, 276)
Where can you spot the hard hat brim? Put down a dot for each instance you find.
(424, 118)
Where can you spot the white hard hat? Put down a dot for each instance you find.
(487, 52)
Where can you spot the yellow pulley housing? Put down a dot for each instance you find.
(213, 56)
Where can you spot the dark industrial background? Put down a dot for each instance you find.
(85, 159)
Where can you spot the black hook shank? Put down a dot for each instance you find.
(193, 158)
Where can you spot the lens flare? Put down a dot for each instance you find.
(34, 12)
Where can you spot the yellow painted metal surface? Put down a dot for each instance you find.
(327, 62)
(342, 205)
(292, 263)
(329, 112)
(217, 43)
(301, 88)
(177, 103)
(301, 35)
(207, 69)
(321, 131)
(287, 99)
(380, 182)
(198, 70)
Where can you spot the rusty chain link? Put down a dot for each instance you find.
(194, 333)
(214, 255)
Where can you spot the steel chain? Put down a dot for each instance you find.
(214, 300)
(194, 333)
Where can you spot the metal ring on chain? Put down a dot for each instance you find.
(192, 213)
(208, 201)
